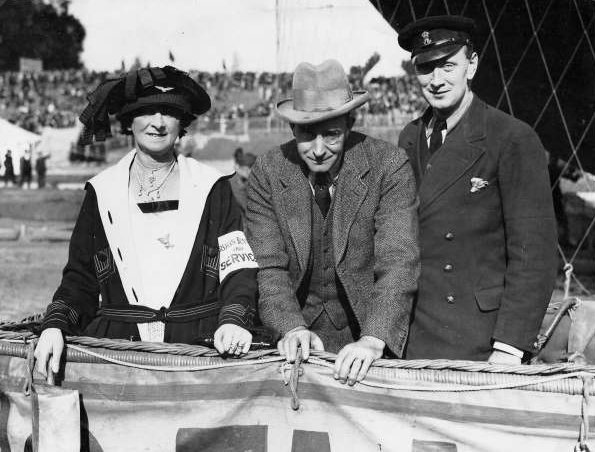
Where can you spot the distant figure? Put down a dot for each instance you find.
(26, 169)
(237, 155)
(41, 169)
(9, 169)
(239, 182)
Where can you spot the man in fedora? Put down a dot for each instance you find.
(331, 217)
(487, 225)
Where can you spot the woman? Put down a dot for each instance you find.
(157, 253)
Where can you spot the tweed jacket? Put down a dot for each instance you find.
(374, 236)
(487, 237)
(102, 268)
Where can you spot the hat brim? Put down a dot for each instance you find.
(286, 111)
(436, 54)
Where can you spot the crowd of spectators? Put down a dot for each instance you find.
(56, 98)
(33, 100)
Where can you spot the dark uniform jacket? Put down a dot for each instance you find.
(374, 230)
(93, 280)
(487, 237)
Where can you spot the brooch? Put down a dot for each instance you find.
(477, 183)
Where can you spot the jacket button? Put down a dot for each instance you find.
(449, 236)
(450, 298)
(448, 268)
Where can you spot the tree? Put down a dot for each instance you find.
(33, 29)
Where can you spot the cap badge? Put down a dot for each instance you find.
(164, 89)
(426, 37)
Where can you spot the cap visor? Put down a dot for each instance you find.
(436, 54)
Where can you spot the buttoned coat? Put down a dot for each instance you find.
(374, 236)
(102, 268)
(487, 237)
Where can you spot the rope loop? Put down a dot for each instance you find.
(568, 270)
(295, 370)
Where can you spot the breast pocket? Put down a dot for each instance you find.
(104, 264)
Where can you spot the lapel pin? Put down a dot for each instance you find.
(477, 183)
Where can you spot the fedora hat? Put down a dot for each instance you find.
(320, 92)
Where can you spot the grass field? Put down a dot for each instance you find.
(30, 273)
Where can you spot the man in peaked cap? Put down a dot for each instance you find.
(487, 226)
(331, 218)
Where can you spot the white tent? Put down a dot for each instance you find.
(17, 140)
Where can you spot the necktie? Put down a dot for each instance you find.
(322, 194)
(436, 137)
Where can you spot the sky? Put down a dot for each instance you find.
(248, 35)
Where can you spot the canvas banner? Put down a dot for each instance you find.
(248, 408)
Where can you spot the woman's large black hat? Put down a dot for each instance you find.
(137, 91)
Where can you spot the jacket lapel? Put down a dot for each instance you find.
(349, 196)
(111, 189)
(458, 154)
(196, 181)
(296, 204)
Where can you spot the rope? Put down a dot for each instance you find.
(498, 58)
(580, 285)
(525, 51)
(582, 445)
(585, 236)
(551, 82)
(430, 3)
(462, 13)
(412, 10)
(568, 269)
(238, 363)
(394, 13)
(199, 351)
(561, 112)
(560, 79)
(122, 344)
(580, 17)
(379, 7)
(295, 372)
(445, 2)
(458, 388)
(28, 385)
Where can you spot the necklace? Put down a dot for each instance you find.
(151, 181)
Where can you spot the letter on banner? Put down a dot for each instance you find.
(234, 254)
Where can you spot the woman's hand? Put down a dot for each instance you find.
(50, 345)
(232, 339)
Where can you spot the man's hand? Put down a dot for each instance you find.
(500, 357)
(232, 339)
(299, 336)
(354, 360)
(50, 345)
